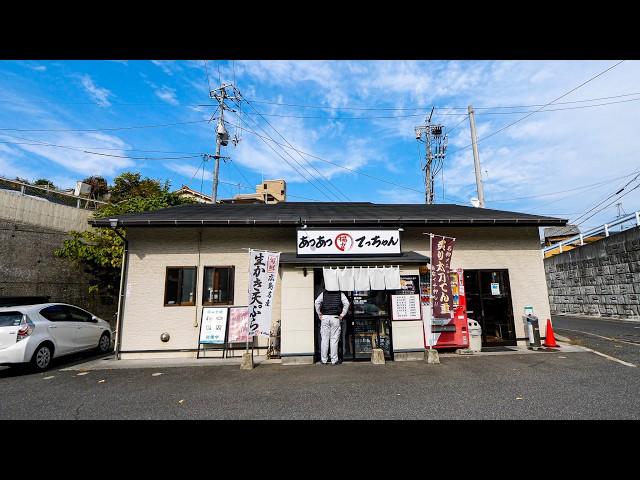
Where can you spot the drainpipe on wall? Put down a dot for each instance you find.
(125, 257)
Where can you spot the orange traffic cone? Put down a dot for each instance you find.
(550, 340)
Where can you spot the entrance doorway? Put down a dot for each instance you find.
(366, 326)
(488, 295)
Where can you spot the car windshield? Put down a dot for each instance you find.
(10, 319)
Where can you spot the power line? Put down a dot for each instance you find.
(535, 111)
(333, 163)
(318, 107)
(287, 161)
(86, 150)
(608, 205)
(340, 193)
(288, 194)
(290, 156)
(40, 142)
(427, 108)
(324, 117)
(101, 129)
(612, 195)
(563, 191)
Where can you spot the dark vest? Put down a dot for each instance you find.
(331, 303)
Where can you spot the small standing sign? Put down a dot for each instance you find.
(213, 327)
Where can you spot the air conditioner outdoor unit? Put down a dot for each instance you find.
(82, 189)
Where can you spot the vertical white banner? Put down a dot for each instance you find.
(263, 274)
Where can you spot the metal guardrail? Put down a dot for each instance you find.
(48, 194)
(605, 228)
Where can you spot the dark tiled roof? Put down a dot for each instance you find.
(561, 231)
(327, 213)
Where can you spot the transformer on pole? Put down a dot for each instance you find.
(436, 146)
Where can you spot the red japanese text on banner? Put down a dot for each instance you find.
(441, 251)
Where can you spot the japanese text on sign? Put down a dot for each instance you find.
(348, 242)
(214, 325)
(441, 251)
(263, 272)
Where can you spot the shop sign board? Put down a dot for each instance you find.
(336, 242)
(213, 327)
(238, 322)
(405, 307)
(263, 274)
(442, 295)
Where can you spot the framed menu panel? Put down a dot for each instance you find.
(405, 307)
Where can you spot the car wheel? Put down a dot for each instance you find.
(104, 343)
(41, 359)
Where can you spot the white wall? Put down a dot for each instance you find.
(153, 249)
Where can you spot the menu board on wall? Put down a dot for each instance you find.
(405, 307)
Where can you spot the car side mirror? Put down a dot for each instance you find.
(94, 319)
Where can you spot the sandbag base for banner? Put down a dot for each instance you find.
(432, 356)
(247, 361)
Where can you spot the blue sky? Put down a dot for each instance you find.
(548, 152)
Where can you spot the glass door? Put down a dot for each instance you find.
(369, 325)
(489, 302)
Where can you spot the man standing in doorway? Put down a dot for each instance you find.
(331, 307)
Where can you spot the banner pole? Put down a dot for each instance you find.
(431, 288)
(248, 293)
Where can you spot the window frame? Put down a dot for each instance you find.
(232, 276)
(181, 268)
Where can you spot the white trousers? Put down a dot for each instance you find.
(330, 335)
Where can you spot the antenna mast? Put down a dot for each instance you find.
(436, 146)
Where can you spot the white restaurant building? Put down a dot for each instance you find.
(184, 258)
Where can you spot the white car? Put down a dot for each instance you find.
(35, 334)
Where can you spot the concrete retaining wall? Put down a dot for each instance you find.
(31, 211)
(598, 279)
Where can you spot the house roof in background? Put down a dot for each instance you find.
(569, 230)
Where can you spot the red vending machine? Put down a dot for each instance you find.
(445, 332)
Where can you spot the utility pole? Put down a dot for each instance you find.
(436, 145)
(222, 136)
(476, 158)
(620, 212)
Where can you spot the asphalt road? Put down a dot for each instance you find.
(617, 338)
(540, 386)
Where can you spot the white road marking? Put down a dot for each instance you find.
(49, 378)
(609, 357)
(155, 374)
(82, 373)
(599, 336)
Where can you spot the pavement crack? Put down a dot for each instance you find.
(75, 415)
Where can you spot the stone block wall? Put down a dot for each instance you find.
(28, 267)
(598, 279)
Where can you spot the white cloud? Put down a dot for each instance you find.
(100, 95)
(168, 95)
(167, 66)
(78, 161)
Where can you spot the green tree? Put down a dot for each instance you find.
(99, 186)
(99, 250)
(130, 184)
(43, 182)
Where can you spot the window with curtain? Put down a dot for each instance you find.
(218, 286)
(180, 286)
